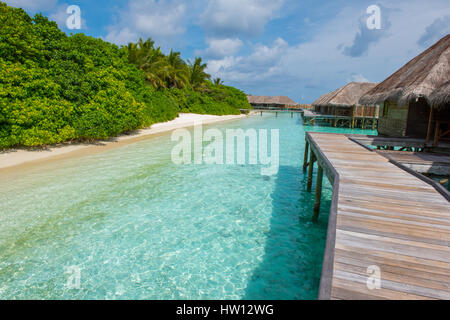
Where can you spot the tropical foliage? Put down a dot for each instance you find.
(56, 88)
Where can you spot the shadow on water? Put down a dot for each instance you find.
(292, 262)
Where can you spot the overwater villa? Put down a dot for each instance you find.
(266, 102)
(341, 108)
(387, 219)
(415, 100)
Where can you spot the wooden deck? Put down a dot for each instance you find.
(381, 216)
(432, 163)
(381, 141)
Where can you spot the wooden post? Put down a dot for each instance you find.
(352, 123)
(318, 193)
(363, 124)
(430, 119)
(261, 113)
(436, 134)
(292, 114)
(305, 159)
(312, 159)
(276, 114)
(335, 116)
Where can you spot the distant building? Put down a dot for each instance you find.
(344, 101)
(265, 102)
(415, 100)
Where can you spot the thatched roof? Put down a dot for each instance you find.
(440, 98)
(419, 78)
(279, 100)
(324, 98)
(346, 96)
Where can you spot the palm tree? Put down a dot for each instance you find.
(178, 71)
(218, 82)
(167, 71)
(137, 53)
(151, 60)
(156, 68)
(198, 76)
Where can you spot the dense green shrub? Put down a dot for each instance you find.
(214, 99)
(56, 88)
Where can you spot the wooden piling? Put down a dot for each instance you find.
(352, 121)
(305, 159)
(312, 159)
(364, 118)
(430, 121)
(318, 193)
(436, 134)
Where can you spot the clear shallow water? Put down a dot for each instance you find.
(140, 227)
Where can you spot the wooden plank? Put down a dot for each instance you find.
(361, 288)
(385, 216)
(398, 287)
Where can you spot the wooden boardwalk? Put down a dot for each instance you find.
(422, 162)
(381, 216)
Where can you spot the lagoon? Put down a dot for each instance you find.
(137, 226)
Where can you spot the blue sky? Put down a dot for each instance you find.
(299, 48)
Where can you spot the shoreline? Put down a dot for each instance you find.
(14, 158)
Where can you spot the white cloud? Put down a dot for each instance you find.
(60, 16)
(121, 36)
(262, 63)
(219, 48)
(356, 77)
(229, 18)
(32, 5)
(161, 20)
(319, 65)
(365, 37)
(435, 31)
(220, 66)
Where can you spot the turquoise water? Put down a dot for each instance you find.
(139, 227)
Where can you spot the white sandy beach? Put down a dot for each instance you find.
(16, 157)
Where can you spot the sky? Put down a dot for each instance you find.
(298, 48)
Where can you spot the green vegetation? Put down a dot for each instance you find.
(187, 84)
(56, 88)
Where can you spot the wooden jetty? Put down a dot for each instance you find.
(402, 143)
(382, 218)
(311, 117)
(292, 111)
(422, 162)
